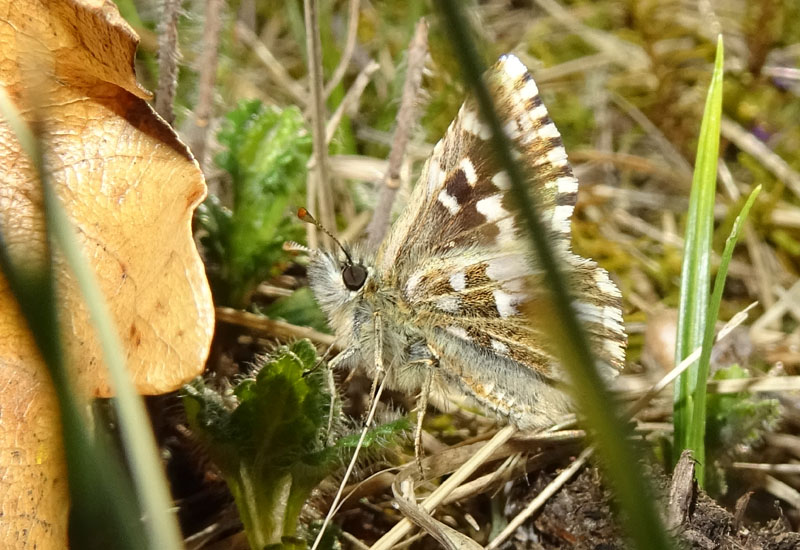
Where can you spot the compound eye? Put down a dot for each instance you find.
(354, 276)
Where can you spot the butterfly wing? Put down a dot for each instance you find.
(459, 198)
(458, 255)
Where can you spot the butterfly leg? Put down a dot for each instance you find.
(378, 363)
(342, 357)
(422, 406)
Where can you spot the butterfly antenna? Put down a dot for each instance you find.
(306, 216)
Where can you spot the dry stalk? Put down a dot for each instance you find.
(319, 190)
(406, 116)
(167, 60)
(350, 99)
(751, 145)
(277, 71)
(669, 150)
(270, 327)
(401, 529)
(349, 47)
(207, 79)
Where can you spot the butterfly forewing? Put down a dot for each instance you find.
(458, 254)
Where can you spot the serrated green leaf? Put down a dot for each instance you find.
(270, 439)
(735, 422)
(266, 152)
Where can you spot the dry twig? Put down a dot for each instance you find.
(350, 99)
(751, 145)
(167, 60)
(406, 116)
(270, 327)
(319, 191)
(436, 497)
(349, 47)
(208, 76)
(277, 71)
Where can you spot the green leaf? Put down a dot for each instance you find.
(735, 422)
(271, 439)
(697, 429)
(693, 312)
(266, 152)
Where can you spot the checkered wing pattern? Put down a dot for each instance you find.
(459, 256)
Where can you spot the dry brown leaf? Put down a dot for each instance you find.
(130, 187)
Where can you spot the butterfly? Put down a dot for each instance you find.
(449, 293)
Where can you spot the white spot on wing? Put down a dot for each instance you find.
(538, 113)
(507, 267)
(448, 303)
(491, 207)
(567, 185)
(605, 284)
(548, 131)
(458, 281)
(529, 89)
(561, 216)
(556, 156)
(606, 316)
(499, 347)
(449, 202)
(612, 319)
(459, 332)
(501, 181)
(589, 313)
(512, 66)
(413, 281)
(614, 349)
(512, 129)
(506, 228)
(469, 171)
(505, 303)
(434, 174)
(472, 124)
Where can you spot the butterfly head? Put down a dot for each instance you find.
(337, 279)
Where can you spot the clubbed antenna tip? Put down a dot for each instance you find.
(306, 216)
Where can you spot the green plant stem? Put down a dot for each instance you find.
(618, 458)
(693, 311)
(248, 506)
(698, 428)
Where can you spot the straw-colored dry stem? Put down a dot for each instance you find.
(406, 117)
(208, 76)
(319, 192)
(349, 47)
(167, 60)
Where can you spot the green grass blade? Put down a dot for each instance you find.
(618, 457)
(698, 428)
(696, 273)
